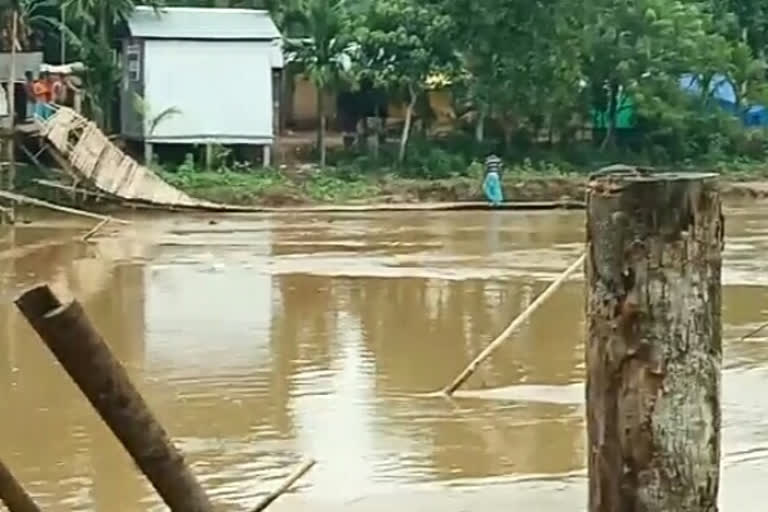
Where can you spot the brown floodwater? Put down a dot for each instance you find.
(260, 340)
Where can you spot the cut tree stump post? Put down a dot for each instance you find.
(653, 341)
(85, 356)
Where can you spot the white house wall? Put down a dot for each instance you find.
(222, 88)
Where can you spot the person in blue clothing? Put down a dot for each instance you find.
(492, 181)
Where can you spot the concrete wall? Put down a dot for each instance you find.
(304, 107)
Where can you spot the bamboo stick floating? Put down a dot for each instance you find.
(96, 229)
(285, 486)
(755, 332)
(517, 322)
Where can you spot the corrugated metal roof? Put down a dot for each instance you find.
(202, 23)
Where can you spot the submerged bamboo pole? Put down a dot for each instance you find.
(85, 356)
(653, 343)
(18, 198)
(285, 486)
(517, 322)
(95, 229)
(12, 494)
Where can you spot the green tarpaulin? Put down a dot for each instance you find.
(625, 115)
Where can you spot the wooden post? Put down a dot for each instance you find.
(653, 342)
(12, 103)
(85, 356)
(209, 156)
(13, 494)
(149, 153)
(277, 125)
(266, 159)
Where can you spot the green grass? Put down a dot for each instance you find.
(360, 179)
(268, 185)
(229, 186)
(333, 189)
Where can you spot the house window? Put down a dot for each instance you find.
(134, 65)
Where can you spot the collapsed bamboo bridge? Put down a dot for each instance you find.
(91, 156)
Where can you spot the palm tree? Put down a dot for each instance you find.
(92, 25)
(322, 55)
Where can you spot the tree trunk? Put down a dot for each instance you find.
(62, 34)
(289, 97)
(322, 127)
(87, 359)
(480, 126)
(653, 342)
(12, 104)
(610, 127)
(407, 126)
(105, 35)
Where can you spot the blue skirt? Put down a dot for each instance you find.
(492, 188)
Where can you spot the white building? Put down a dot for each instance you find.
(217, 69)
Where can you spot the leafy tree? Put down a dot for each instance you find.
(520, 62)
(401, 43)
(745, 20)
(641, 48)
(520, 66)
(92, 26)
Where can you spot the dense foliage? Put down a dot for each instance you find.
(525, 76)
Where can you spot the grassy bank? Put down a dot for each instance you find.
(336, 185)
(284, 188)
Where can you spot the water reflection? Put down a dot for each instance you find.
(261, 339)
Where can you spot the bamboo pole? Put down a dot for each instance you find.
(44, 204)
(13, 494)
(754, 332)
(95, 229)
(67, 332)
(285, 486)
(517, 322)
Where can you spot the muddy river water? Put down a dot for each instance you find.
(259, 340)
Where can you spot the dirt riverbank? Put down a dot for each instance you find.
(454, 190)
(287, 192)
